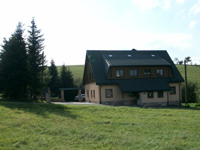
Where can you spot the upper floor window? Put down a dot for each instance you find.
(119, 73)
(160, 72)
(133, 73)
(147, 71)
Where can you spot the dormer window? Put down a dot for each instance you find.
(129, 56)
(119, 73)
(110, 56)
(160, 72)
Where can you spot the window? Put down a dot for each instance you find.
(133, 73)
(91, 93)
(109, 93)
(88, 93)
(147, 71)
(173, 90)
(94, 93)
(119, 73)
(150, 94)
(160, 72)
(160, 94)
(132, 94)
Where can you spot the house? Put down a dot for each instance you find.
(131, 77)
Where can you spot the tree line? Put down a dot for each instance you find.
(23, 67)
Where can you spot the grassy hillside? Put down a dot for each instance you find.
(77, 70)
(193, 72)
(50, 126)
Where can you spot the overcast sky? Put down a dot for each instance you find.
(71, 27)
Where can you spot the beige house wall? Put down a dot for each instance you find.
(155, 99)
(92, 87)
(117, 94)
(124, 98)
(175, 97)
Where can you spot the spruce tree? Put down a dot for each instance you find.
(54, 83)
(67, 81)
(36, 60)
(14, 72)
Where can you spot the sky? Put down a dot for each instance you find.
(71, 27)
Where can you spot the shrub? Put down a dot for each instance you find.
(192, 92)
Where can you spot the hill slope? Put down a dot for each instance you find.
(193, 72)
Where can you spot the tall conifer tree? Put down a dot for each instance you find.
(14, 65)
(54, 83)
(36, 60)
(67, 81)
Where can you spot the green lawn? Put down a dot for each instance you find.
(50, 126)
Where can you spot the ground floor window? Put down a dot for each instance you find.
(160, 94)
(150, 94)
(94, 93)
(109, 93)
(88, 93)
(132, 94)
(173, 90)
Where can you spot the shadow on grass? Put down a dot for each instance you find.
(43, 110)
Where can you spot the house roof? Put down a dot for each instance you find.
(101, 60)
(136, 59)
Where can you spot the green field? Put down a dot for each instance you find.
(193, 72)
(77, 70)
(50, 126)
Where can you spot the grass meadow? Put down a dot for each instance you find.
(193, 72)
(51, 126)
(77, 70)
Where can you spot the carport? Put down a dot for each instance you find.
(68, 89)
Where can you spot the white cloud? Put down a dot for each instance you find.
(166, 4)
(146, 4)
(193, 23)
(195, 60)
(181, 11)
(196, 8)
(149, 4)
(180, 1)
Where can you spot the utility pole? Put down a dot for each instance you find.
(186, 60)
(186, 102)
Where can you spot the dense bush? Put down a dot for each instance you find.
(192, 92)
